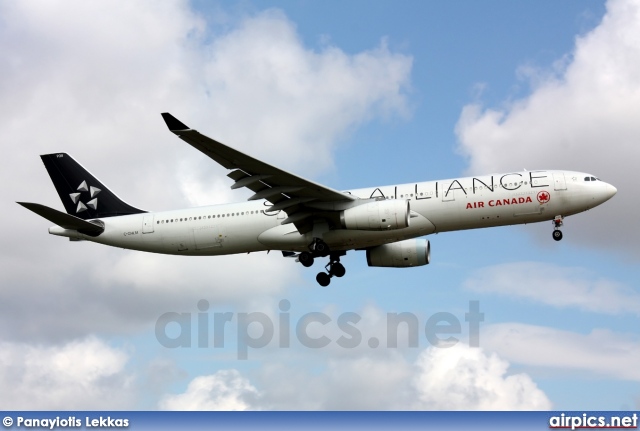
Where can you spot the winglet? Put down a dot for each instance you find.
(173, 123)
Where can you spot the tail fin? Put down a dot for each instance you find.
(82, 194)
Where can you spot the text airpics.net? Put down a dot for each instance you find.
(586, 421)
(257, 329)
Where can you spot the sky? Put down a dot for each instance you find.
(349, 94)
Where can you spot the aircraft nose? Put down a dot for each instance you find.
(610, 190)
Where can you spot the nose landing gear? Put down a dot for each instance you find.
(557, 223)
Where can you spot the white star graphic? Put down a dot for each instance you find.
(93, 192)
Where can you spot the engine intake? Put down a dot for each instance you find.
(379, 215)
(401, 254)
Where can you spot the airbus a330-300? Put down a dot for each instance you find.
(308, 221)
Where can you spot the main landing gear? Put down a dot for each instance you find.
(557, 223)
(318, 248)
(334, 268)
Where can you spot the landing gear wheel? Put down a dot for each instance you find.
(306, 259)
(321, 248)
(557, 235)
(338, 270)
(323, 279)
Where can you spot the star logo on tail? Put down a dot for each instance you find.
(93, 192)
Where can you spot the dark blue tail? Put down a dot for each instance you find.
(82, 194)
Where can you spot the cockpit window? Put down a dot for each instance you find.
(593, 178)
(587, 178)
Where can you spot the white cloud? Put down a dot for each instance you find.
(557, 286)
(91, 79)
(192, 276)
(465, 378)
(294, 99)
(601, 351)
(224, 390)
(455, 378)
(80, 375)
(581, 115)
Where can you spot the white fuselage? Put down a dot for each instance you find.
(437, 206)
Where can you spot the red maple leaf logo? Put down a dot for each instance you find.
(543, 197)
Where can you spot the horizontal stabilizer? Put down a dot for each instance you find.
(64, 220)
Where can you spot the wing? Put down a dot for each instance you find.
(303, 200)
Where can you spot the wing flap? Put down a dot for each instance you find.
(248, 180)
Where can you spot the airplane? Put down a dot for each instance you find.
(306, 220)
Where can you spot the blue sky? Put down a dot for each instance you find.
(363, 94)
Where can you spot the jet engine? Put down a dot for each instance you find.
(401, 254)
(379, 215)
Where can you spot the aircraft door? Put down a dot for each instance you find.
(559, 182)
(147, 223)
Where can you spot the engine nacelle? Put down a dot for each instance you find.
(401, 254)
(379, 215)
